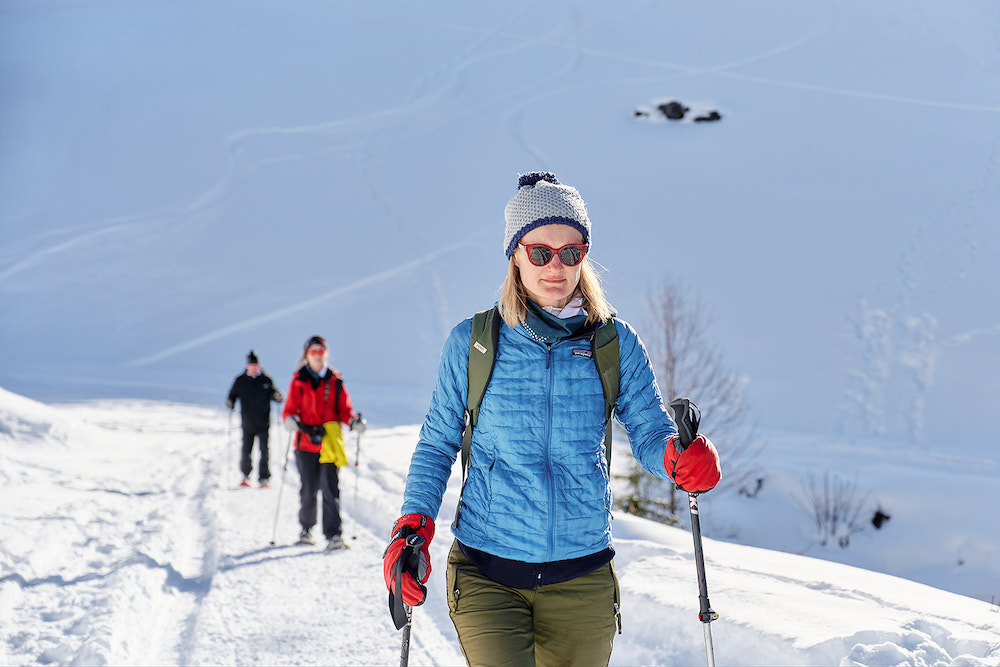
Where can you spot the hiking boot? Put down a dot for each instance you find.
(335, 543)
(305, 537)
(245, 482)
(265, 483)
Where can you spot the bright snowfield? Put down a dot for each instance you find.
(181, 182)
(125, 541)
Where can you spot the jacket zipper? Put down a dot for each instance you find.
(550, 367)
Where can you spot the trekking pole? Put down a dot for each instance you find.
(402, 613)
(357, 471)
(688, 417)
(284, 469)
(229, 438)
(404, 649)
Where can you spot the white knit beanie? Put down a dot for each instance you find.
(543, 200)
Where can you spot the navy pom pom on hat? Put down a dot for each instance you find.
(542, 200)
(252, 357)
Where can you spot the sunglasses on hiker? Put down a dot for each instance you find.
(317, 351)
(540, 254)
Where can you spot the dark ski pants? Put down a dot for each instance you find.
(319, 478)
(556, 625)
(246, 465)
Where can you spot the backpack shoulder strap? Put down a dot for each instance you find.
(608, 360)
(338, 389)
(338, 386)
(482, 355)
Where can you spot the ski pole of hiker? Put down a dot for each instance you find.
(688, 417)
(284, 469)
(409, 564)
(404, 648)
(357, 472)
(229, 440)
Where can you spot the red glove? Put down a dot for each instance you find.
(697, 468)
(412, 562)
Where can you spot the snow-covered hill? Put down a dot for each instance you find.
(184, 181)
(124, 540)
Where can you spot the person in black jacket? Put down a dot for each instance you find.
(255, 391)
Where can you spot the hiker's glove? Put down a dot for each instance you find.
(291, 424)
(230, 405)
(358, 424)
(697, 468)
(412, 564)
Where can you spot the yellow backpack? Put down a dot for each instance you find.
(333, 450)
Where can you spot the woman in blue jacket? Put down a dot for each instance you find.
(530, 577)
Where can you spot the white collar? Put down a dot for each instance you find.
(574, 307)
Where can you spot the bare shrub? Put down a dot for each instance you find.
(835, 507)
(686, 364)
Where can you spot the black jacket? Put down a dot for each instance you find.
(255, 395)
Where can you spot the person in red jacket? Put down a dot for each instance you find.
(316, 397)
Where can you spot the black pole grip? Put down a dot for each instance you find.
(409, 560)
(687, 416)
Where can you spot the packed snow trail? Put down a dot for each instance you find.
(299, 604)
(115, 535)
(129, 541)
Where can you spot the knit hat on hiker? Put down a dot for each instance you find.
(314, 340)
(252, 357)
(543, 200)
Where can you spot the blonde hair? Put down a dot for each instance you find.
(514, 297)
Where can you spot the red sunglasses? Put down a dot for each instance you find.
(317, 351)
(540, 254)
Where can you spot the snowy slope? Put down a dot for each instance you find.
(184, 181)
(123, 540)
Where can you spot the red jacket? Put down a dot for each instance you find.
(316, 401)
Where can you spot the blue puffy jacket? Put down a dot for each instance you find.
(537, 488)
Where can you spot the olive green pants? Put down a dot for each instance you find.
(557, 625)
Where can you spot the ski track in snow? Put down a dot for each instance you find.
(255, 148)
(241, 145)
(368, 281)
(124, 534)
(240, 148)
(170, 563)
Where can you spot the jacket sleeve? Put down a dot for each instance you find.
(441, 434)
(276, 394)
(233, 393)
(292, 406)
(344, 408)
(640, 406)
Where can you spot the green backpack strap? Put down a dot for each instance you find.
(608, 360)
(482, 354)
